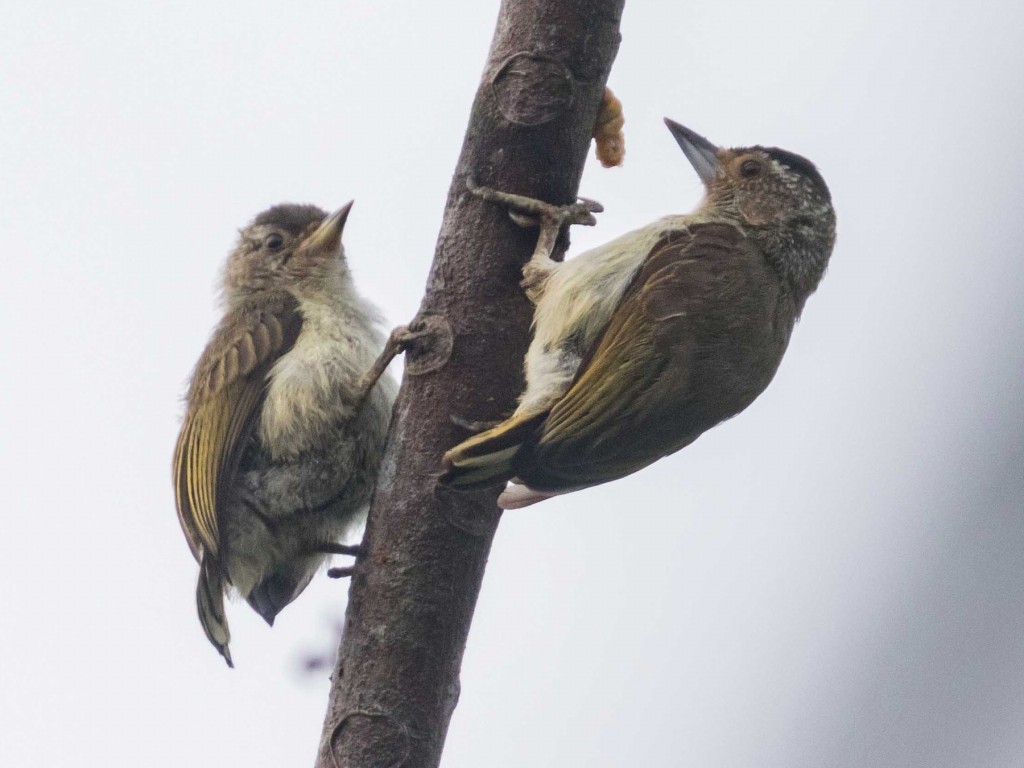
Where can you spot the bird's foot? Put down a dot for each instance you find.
(332, 548)
(401, 339)
(473, 426)
(528, 212)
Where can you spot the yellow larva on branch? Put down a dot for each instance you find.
(610, 143)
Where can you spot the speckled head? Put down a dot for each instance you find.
(779, 198)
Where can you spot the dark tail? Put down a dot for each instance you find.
(210, 604)
(488, 458)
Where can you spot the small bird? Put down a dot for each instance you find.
(643, 344)
(281, 440)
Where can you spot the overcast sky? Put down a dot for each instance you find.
(835, 578)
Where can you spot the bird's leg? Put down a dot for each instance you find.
(528, 212)
(399, 341)
(332, 548)
(473, 426)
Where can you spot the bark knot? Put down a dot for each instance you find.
(533, 88)
(390, 738)
(432, 345)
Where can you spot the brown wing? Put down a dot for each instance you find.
(672, 362)
(224, 399)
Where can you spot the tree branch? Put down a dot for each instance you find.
(412, 597)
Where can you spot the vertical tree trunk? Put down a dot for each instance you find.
(396, 682)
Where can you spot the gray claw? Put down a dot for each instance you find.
(524, 221)
(528, 212)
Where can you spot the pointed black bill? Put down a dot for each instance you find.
(702, 154)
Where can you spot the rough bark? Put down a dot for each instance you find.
(411, 602)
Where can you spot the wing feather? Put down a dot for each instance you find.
(633, 400)
(224, 401)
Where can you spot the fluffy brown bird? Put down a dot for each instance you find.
(281, 441)
(645, 343)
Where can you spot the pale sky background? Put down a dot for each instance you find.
(835, 578)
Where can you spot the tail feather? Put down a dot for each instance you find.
(210, 604)
(489, 458)
(517, 496)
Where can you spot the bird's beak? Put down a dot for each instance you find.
(327, 236)
(702, 154)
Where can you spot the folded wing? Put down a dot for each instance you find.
(224, 401)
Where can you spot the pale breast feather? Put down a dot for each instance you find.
(302, 402)
(579, 298)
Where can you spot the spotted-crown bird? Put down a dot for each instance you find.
(643, 344)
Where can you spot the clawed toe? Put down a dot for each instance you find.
(333, 548)
(550, 219)
(529, 212)
(473, 426)
(524, 221)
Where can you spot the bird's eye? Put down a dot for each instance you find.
(750, 169)
(273, 241)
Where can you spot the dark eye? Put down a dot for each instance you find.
(750, 169)
(273, 241)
